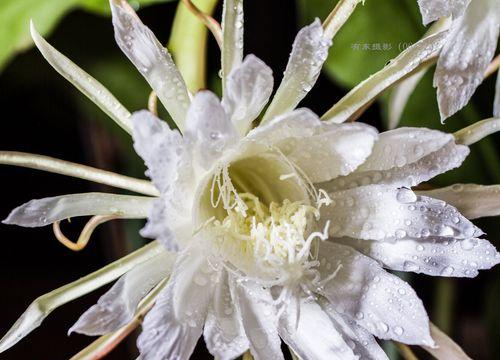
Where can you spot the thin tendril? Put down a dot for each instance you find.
(209, 21)
(86, 233)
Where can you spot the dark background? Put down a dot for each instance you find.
(42, 113)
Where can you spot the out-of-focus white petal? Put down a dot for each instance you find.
(407, 162)
(42, 212)
(224, 333)
(380, 302)
(496, 103)
(259, 320)
(434, 9)
(431, 256)
(172, 328)
(209, 128)
(473, 201)
(232, 37)
(467, 53)
(377, 212)
(314, 337)
(368, 90)
(89, 86)
(309, 52)
(361, 341)
(117, 306)
(446, 348)
(477, 131)
(322, 151)
(248, 89)
(152, 60)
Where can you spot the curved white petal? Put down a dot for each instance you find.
(434, 9)
(248, 88)
(309, 52)
(382, 213)
(467, 53)
(378, 301)
(431, 256)
(209, 128)
(117, 306)
(322, 151)
(368, 90)
(259, 320)
(473, 201)
(223, 332)
(314, 337)
(172, 328)
(152, 60)
(89, 86)
(407, 170)
(42, 212)
(232, 37)
(361, 341)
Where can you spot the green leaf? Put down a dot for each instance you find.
(391, 25)
(15, 16)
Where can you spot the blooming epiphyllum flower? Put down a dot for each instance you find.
(275, 232)
(471, 44)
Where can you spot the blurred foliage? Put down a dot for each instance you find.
(16, 14)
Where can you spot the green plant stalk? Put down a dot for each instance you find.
(188, 43)
(444, 304)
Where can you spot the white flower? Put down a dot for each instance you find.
(470, 46)
(282, 231)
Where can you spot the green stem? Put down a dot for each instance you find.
(444, 303)
(188, 43)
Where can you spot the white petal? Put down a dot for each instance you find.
(232, 33)
(42, 212)
(496, 103)
(407, 164)
(314, 337)
(89, 86)
(467, 53)
(259, 320)
(396, 148)
(446, 348)
(248, 89)
(309, 52)
(377, 212)
(322, 151)
(209, 128)
(378, 301)
(152, 59)
(163, 150)
(117, 306)
(434, 9)
(431, 256)
(172, 328)
(398, 68)
(224, 333)
(360, 340)
(473, 201)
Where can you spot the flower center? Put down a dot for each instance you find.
(262, 222)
